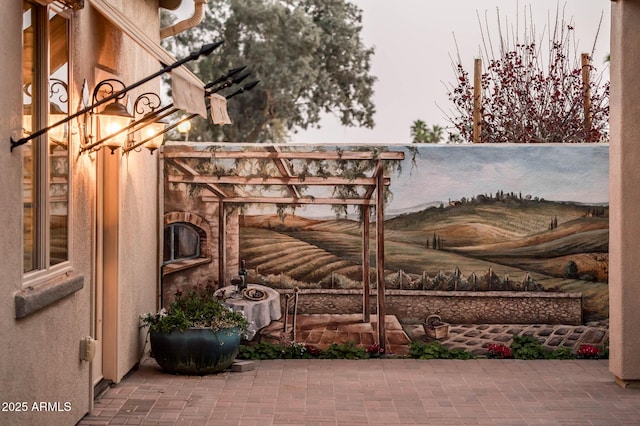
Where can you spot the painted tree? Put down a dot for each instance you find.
(308, 55)
(527, 97)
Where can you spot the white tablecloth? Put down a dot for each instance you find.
(260, 313)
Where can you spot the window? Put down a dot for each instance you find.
(181, 242)
(45, 78)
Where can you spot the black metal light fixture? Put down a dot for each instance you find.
(150, 124)
(58, 95)
(148, 131)
(115, 108)
(112, 120)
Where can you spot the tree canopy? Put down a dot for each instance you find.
(421, 133)
(533, 89)
(307, 54)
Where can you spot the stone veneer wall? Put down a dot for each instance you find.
(456, 307)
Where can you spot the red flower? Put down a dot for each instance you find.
(588, 351)
(498, 351)
(375, 349)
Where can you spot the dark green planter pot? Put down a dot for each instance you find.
(195, 350)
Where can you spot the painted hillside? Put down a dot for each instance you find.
(513, 237)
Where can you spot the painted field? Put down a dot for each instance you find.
(511, 239)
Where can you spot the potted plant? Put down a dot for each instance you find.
(197, 334)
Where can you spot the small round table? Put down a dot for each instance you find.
(259, 313)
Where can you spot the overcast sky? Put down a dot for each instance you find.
(414, 40)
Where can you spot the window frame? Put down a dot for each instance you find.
(201, 227)
(171, 243)
(43, 269)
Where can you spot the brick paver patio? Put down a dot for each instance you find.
(376, 391)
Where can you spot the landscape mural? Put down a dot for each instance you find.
(458, 217)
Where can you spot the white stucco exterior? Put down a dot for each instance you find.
(624, 284)
(114, 233)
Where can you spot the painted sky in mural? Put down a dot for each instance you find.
(577, 173)
(555, 173)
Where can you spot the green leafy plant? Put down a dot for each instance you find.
(195, 309)
(348, 350)
(527, 347)
(435, 350)
(264, 350)
(561, 353)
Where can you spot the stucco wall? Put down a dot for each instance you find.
(41, 352)
(414, 306)
(138, 250)
(624, 290)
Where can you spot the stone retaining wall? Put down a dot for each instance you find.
(456, 307)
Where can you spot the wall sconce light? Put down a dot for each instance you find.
(58, 95)
(149, 134)
(58, 91)
(57, 135)
(153, 135)
(115, 96)
(111, 121)
(149, 130)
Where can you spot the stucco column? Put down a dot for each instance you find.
(624, 240)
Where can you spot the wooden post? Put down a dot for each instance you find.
(366, 284)
(586, 94)
(382, 340)
(477, 100)
(222, 231)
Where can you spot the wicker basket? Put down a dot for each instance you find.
(435, 328)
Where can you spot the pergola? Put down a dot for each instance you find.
(237, 185)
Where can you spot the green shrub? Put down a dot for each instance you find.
(348, 350)
(262, 351)
(527, 347)
(276, 351)
(561, 353)
(435, 350)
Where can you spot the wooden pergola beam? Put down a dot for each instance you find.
(284, 170)
(275, 180)
(289, 200)
(314, 155)
(381, 309)
(366, 280)
(377, 172)
(192, 172)
(222, 232)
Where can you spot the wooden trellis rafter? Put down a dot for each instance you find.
(275, 180)
(194, 174)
